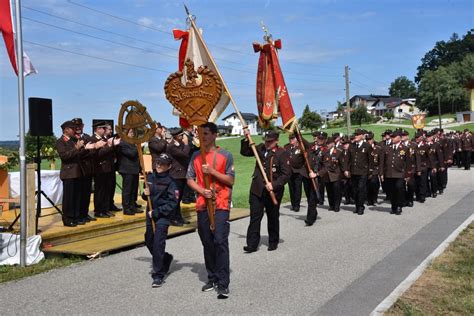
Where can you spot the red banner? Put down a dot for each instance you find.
(6, 27)
(272, 94)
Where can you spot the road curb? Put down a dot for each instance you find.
(415, 274)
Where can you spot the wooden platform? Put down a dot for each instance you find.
(105, 234)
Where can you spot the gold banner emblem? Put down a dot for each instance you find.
(418, 121)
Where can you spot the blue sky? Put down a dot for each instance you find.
(379, 40)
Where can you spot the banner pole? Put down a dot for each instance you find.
(237, 111)
(21, 111)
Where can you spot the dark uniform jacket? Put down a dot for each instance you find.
(466, 142)
(87, 161)
(412, 162)
(70, 157)
(276, 165)
(293, 152)
(157, 146)
(181, 154)
(163, 194)
(377, 152)
(127, 158)
(104, 157)
(394, 161)
(332, 165)
(359, 159)
(435, 155)
(422, 157)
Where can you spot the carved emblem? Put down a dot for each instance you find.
(418, 121)
(133, 115)
(198, 96)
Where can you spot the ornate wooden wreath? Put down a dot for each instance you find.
(198, 97)
(133, 115)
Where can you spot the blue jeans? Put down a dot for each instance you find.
(216, 246)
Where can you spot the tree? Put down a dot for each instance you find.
(445, 53)
(447, 82)
(47, 151)
(310, 120)
(402, 87)
(360, 115)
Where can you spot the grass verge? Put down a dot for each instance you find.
(10, 273)
(447, 285)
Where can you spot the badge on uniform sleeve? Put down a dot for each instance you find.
(275, 169)
(176, 194)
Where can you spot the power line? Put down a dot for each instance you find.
(99, 58)
(167, 32)
(368, 77)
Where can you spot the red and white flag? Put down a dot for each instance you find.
(193, 48)
(8, 33)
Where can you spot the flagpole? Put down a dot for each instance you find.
(237, 111)
(21, 111)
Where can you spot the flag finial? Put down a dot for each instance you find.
(267, 37)
(186, 8)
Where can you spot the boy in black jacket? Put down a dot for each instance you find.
(164, 198)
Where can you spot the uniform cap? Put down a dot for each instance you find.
(164, 159)
(175, 131)
(99, 124)
(77, 121)
(272, 135)
(67, 124)
(405, 132)
(359, 131)
(323, 135)
(370, 135)
(419, 134)
(316, 134)
(396, 133)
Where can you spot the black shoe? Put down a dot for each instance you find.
(158, 282)
(361, 210)
(109, 213)
(222, 292)
(399, 211)
(86, 219)
(101, 215)
(356, 210)
(137, 210)
(114, 208)
(440, 192)
(331, 208)
(272, 246)
(209, 286)
(69, 224)
(91, 219)
(137, 205)
(422, 200)
(296, 209)
(176, 223)
(393, 211)
(336, 209)
(129, 212)
(308, 223)
(249, 249)
(410, 204)
(434, 195)
(81, 222)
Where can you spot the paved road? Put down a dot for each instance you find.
(344, 265)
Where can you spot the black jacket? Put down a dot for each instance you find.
(127, 158)
(163, 194)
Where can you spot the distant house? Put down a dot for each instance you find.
(376, 105)
(224, 130)
(366, 100)
(405, 109)
(234, 121)
(332, 115)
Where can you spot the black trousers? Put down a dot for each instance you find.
(180, 184)
(216, 246)
(129, 190)
(312, 211)
(396, 186)
(71, 200)
(432, 181)
(373, 186)
(421, 185)
(321, 190)
(103, 187)
(86, 186)
(359, 187)
(259, 205)
(347, 190)
(334, 194)
(466, 155)
(156, 244)
(457, 158)
(295, 185)
(410, 190)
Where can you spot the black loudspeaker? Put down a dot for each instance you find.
(41, 116)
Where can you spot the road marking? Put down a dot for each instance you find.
(412, 277)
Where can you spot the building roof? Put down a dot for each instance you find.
(389, 102)
(246, 116)
(369, 97)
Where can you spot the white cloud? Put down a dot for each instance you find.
(146, 21)
(296, 95)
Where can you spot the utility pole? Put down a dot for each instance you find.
(439, 110)
(348, 105)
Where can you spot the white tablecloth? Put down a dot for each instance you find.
(51, 185)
